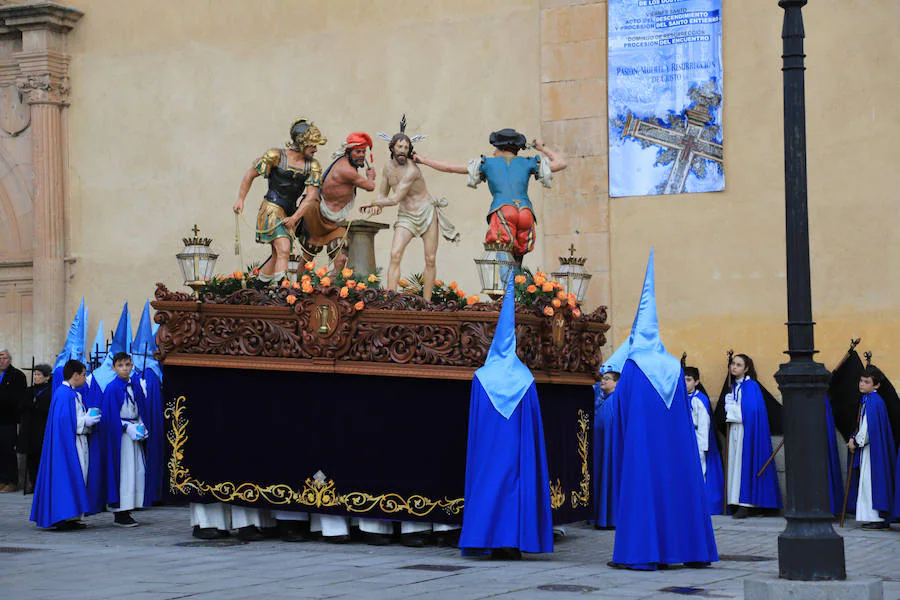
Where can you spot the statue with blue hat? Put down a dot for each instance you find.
(507, 493)
(661, 512)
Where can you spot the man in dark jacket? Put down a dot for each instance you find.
(33, 413)
(12, 388)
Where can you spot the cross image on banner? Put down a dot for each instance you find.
(665, 97)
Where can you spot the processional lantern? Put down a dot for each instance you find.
(572, 275)
(293, 267)
(495, 266)
(196, 261)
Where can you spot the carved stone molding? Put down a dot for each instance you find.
(44, 77)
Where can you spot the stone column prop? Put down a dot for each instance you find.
(43, 81)
(361, 245)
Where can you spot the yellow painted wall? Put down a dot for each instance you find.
(173, 99)
(720, 264)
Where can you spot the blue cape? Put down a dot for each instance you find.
(604, 415)
(662, 514)
(105, 462)
(835, 477)
(59, 492)
(154, 446)
(882, 453)
(762, 491)
(715, 477)
(507, 496)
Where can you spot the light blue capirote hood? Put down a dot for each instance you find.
(618, 358)
(76, 340)
(121, 342)
(646, 349)
(145, 345)
(98, 348)
(504, 377)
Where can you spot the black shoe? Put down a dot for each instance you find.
(506, 554)
(447, 539)
(124, 519)
(756, 511)
(293, 531)
(270, 533)
(696, 565)
(250, 534)
(875, 526)
(741, 513)
(605, 527)
(375, 539)
(69, 526)
(416, 540)
(336, 539)
(208, 533)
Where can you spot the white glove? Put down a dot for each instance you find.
(90, 421)
(132, 430)
(732, 410)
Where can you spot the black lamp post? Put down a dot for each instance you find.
(808, 548)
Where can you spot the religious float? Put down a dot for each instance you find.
(328, 394)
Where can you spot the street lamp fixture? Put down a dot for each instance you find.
(196, 261)
(572, 275)
(495, 266)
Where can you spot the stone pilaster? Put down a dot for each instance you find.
(43, 80)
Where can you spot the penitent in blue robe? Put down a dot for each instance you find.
(106, 459)
(662, 514)
(154, 446)
(60, 492)
(715, 477)
(507, 482)
(604, 513)
(835, 478)
(762, 491)
(882, 455)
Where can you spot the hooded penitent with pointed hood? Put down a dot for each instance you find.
(151, 382)
(507, 492)
(604, 417)
(97, 351)
(662, 515)
(75, 345)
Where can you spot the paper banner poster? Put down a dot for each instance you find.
(665, 97)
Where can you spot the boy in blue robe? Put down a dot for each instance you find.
(604, 410)
(121, 466)
(710, 459)
(151, 385)
(507, 492)
(662, 515)
(749, 444)
(60, 492)
(874, 454)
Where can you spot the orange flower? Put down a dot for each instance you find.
(541, 274)
(359, 305)
(531, 289)
(325, 281)
(556, 303)
(295, 285)
(306, 287)
(547, 287)
(285, 283)
(519, 280)
(309, 266)
(351, 284)
(373, 278)
(572, 302)
(360, 286)
(571, 297)
(453, 285)
(255, 271)
(305, 278)
(539, 280)
(403, 283)
(472, 299)
(238, 275)
(460, 294)
(345, 272)
(576, 313)
(556, 285)
(291, 298)
(438, 283)
(548, 310)
(345, 292)
(561, 295)
(321, 272)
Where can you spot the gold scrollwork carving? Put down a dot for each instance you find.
(557, 495)
(582, 497)
(317, 491)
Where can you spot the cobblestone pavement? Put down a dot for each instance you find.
(159, 560)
